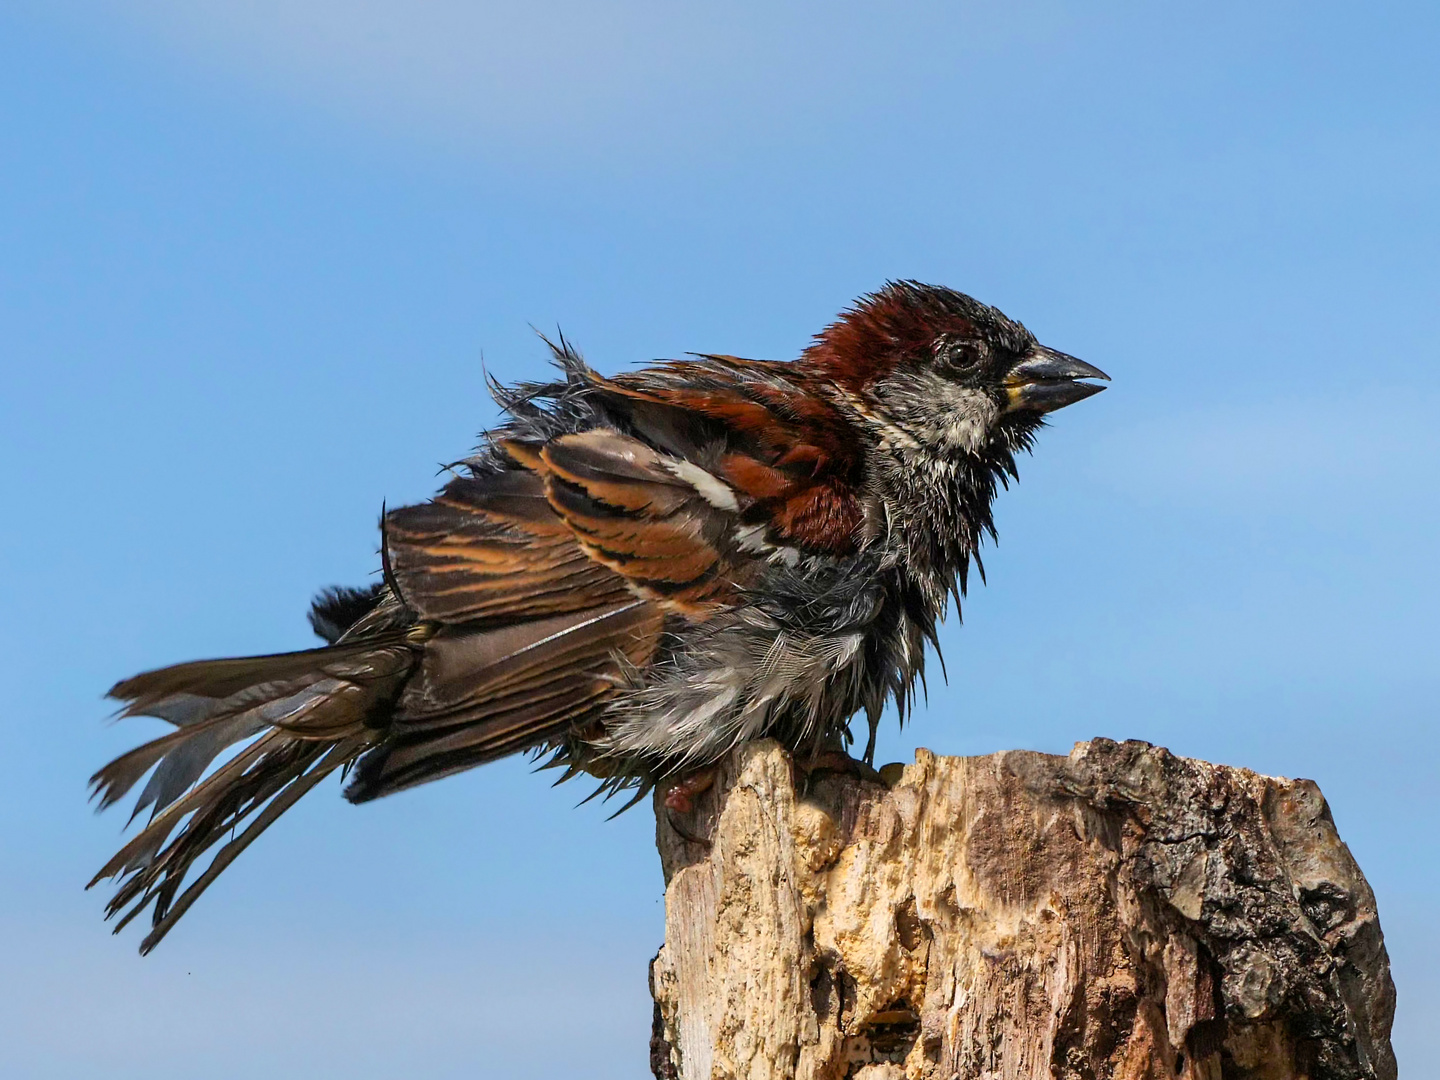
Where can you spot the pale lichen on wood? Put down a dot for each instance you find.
(1120, 912)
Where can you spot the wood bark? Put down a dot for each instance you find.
(1120, 912)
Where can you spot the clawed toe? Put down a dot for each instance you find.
(680, 796)
(679, 800)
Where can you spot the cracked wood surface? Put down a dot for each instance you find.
(1120, 912)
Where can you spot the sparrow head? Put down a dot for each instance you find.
(936, 370)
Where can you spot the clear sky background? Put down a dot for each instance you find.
(255, 257)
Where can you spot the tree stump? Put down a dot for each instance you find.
(1121, 912)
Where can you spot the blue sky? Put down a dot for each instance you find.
(255, 259)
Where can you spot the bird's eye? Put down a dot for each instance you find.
(959, 355)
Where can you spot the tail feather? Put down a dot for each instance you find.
(312, 771)
(273, 783)
(141, 849)
(403, 703)
(316, 710)
(182, 757)
(219, 678)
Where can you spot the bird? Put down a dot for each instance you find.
(632, 576)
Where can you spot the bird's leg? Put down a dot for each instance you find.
(874, 722)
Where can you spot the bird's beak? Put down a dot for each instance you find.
(1045, 380)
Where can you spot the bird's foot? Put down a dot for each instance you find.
(679, 800)
(680, 796)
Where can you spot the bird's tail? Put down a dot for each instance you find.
(297, 717)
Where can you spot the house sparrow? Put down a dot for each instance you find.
(633, 576)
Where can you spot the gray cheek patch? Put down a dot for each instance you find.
(938, 414)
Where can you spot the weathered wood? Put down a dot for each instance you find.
(1120, 912)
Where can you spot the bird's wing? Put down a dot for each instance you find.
(490, 547)
(543, 588)
(657, 522)
(779, 442)
(548, 583)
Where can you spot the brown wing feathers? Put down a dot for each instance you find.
(544, 628)
(633, 514)
(789, 454)
(482, 695)
(491, 547)
(598, 539)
